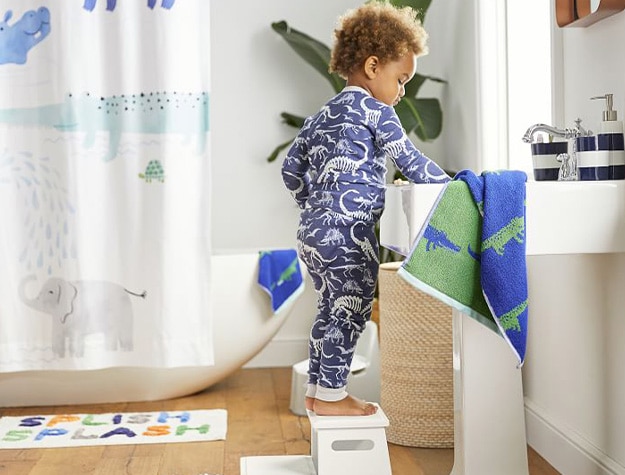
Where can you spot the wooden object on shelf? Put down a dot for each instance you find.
(580, 13)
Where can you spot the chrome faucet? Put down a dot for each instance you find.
(568, 169)
(567, 133)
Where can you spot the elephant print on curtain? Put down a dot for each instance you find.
(82, 308)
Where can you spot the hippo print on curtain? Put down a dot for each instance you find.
(17, 39)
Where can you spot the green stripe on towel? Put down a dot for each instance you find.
(441, 263)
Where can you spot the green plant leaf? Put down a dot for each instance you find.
(278, 149)
(421, 6)
(292, 120)
(413, 86)
(312, 51)
(435, 79)
(424, 117)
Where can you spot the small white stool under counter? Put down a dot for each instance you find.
(339, 445)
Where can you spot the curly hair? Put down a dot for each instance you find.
(376, 28)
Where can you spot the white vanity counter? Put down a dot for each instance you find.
(562, 217)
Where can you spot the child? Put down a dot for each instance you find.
(336, 172)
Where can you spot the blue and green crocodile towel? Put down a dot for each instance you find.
(279, 274)
(470, 252)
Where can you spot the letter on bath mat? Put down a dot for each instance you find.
(50, 432)
(155, 431)
(60, 419)
(16, 435)
(119, 431)
(181, 430)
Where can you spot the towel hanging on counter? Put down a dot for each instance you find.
(470, 252)
(279, 274)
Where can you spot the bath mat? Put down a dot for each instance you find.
(117, 428)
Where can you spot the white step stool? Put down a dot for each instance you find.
(364, 376)
(339, 445)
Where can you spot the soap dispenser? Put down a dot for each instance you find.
(605, 158)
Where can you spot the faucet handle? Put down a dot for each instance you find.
(581, 131)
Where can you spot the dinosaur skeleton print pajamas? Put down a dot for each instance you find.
(336, 172)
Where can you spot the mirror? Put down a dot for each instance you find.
(585, 12)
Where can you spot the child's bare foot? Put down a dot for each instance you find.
(349, 406)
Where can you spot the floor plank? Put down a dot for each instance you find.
(420, 461)
(259, 423)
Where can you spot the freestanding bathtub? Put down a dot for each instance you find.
(243, 323)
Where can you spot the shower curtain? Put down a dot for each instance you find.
(104, 184)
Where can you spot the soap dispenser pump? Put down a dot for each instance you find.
(603, 157)
(609, 124)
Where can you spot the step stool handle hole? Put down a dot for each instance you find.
(352, 445)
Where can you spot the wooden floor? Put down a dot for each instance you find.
(259, 423)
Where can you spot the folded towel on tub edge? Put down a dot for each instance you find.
(279, 274)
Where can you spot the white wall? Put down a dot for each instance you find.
(594, 65)
(573, 374)
(452, 25)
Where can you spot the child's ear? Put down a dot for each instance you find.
(371, 66)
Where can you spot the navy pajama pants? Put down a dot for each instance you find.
(342, 259)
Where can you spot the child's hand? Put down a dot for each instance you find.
(399, 181)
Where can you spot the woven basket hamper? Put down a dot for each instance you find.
(416, 363)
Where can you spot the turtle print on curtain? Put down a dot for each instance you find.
(104, 160)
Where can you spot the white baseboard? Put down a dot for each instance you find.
(563, 448)
(280, 353)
